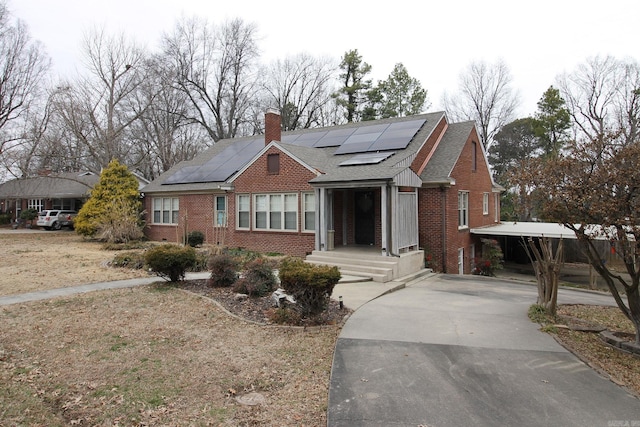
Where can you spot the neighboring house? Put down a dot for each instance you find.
(66, 191)
(404, 187)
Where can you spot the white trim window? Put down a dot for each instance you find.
(166, 210)
(485, 204)
(496, 207)
(35, 204)
(463, 209)
(220, 211)
(243, 220)
(275, 212)
(309, 212)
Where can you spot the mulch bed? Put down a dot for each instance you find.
(257, 309)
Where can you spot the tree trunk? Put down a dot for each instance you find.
(546, 266)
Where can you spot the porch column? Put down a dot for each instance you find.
(317, 221)
(384, 214)
(323, 219)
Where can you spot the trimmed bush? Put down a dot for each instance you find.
(170, 261)
(195, 238)
(224, 270)
(310, 285)
(258, 279)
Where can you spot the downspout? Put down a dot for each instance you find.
(444, 229)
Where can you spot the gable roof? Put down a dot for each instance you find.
(439, 168)
(59, 186)
(336, 162)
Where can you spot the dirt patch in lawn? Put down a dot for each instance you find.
(157, 355)
(49, 260)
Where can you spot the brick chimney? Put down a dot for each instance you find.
(272, 126)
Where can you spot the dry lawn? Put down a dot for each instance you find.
(152, 355)
(622, 368)
(49, 260)
(157, 355)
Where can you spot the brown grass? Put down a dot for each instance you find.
(49, 260)
(156, 356)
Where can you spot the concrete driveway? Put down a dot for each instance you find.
(460, 351)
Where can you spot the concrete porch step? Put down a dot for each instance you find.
(378, 268)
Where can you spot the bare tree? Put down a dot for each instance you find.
(23, 67)
(300, 87)
(164, 136)
(100, 107)
(603, 97)
(486, 96)
(215, 68)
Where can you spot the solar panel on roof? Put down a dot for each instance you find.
(367, 158)
(221, 166)
(334, 138)
(385, 137)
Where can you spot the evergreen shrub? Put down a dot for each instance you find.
(311, 285)
(170, 261)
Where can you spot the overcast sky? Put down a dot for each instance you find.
(435, 40)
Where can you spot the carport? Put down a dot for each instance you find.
(511, 234)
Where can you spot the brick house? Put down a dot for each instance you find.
(68, 190)
(403, 188)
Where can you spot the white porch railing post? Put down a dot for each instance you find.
(317, 221)
(323, 219)
(384, 213)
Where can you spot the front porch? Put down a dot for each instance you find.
(368, 263)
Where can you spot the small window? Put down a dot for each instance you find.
(485, 204)
(463, 209)
(474, 154)
(221, 211)
(244, 215)
(273, 164)
(309, 209)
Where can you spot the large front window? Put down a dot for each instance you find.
(35, 204)
(463, 209)
(275, 212)
(166, 210)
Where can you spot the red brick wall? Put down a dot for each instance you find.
(196, 214)
(293, 178)
(476, 182)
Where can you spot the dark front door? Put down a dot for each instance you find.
(365, 218)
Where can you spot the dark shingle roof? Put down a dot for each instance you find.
(444, 159)
(325, 160)
(60, 186)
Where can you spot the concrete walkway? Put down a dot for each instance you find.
(461, 351)
(72, 290)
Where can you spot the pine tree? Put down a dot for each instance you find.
(112, 212)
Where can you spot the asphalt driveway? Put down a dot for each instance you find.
(460, 351)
